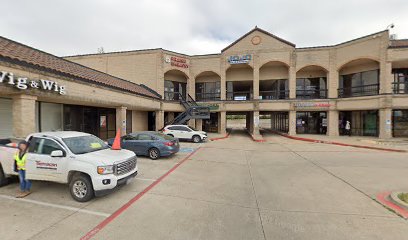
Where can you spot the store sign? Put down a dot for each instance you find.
(177, 61)
(237, 59)
(24, 83)
(311, 105)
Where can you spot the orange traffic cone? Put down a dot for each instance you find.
(116, 142)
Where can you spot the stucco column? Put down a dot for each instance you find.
(333, 75)
(255, 87)
(170, 116)
(223, 79)
(199, 124)
(23, 115)
(333, 83)
(254, 123)
(332, 123)
(385, 123)
(192, 123)
(292, 123)
(191, 87)
(386, 77)
(222, 122)
(121, 120)
(292, 82)
(159, 119)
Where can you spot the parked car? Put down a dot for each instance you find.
(81, 160)
(184, 132)
(151, 144)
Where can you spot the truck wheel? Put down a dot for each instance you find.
(3, 179)
(196, 139)
(81, 188)
(154, 153)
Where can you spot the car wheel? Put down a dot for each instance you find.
(81, 188)
(154, 153)
(196, 139)
(3, 179)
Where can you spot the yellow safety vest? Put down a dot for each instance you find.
(20, 161)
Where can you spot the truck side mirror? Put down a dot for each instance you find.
(57, 153)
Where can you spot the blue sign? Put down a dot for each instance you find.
(239, 59)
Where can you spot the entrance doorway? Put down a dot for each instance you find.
(311, 122)
(100, 122)
(211, 125)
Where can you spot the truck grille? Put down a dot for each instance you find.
(126, 166)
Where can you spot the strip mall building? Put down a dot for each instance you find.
(304, 90)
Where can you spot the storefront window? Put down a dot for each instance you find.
(400, 83)
(173, 89)
(50, 117)
(362, 123)
(311, 88)
(207, 91)
(311, 122)
(211, 125)
(100, 122)
(359, 84)
(400, 123)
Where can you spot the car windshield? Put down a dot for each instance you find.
(84, 144)
(164, 136)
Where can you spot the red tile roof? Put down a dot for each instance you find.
(21, 53)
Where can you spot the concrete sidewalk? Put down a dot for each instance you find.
(280, 189)
(396, 143)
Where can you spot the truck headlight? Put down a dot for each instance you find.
(105, 169)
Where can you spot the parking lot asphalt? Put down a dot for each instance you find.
(228, 189)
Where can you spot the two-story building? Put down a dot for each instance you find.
(311, 90)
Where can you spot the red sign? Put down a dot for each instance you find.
(177, 62)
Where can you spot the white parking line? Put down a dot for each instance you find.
(55, 205)
(146, 179)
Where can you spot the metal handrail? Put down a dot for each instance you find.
(400, 87)
(274, 94)
(357, 91)
(311, 93)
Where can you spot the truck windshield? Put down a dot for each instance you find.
(84, 144)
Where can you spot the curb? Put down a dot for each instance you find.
(336, 143)
(220, 138)
(395, 199)
(256, 139)
(138, 196)
(384, 197)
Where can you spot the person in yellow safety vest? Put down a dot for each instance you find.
(20, 157)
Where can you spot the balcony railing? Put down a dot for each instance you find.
(274, 95)
(311, 94)
(400, 87)
(208, 96)
(172, 96)
(239, 96)
(358, 91)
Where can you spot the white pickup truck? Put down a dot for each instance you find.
(81, 160)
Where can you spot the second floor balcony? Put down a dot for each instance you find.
(359, 91)
(274, 95)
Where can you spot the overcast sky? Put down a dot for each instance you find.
(69, 27)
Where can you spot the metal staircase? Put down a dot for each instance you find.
(192, 111)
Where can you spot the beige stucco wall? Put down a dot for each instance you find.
(136, 66)
(139, 121)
